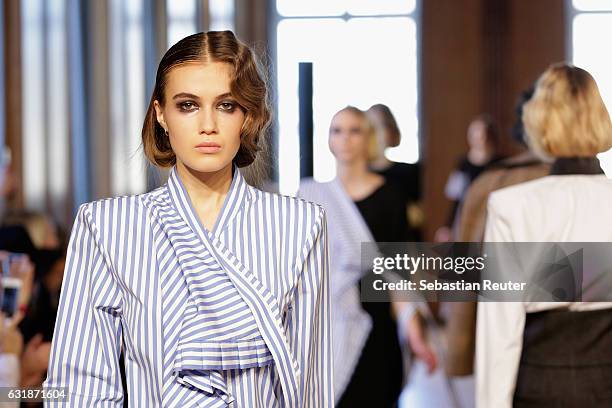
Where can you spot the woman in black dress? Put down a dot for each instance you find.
(362, 207)
(377, 379)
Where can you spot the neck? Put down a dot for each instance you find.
(381, 163)
(353, 171)
(207, 190)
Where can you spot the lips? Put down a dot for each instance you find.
(208, 147)
(209, 144)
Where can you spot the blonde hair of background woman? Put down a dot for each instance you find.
(566, 117)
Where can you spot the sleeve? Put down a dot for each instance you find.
(310, 328)
(87, 335)
(497, 226)
(499, 333)
(398, 232)
(473, 209)
(499, 340)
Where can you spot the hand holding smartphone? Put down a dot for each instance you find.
(11, 288)
(16, 281)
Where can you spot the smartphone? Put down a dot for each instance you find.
(10, 295)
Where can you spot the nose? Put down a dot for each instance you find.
(343, 136)
(208, 121)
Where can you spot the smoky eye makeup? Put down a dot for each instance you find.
(189, 103)
(186, 106)
(228, 105)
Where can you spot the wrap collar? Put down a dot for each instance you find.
(208, 340)
(237, 196)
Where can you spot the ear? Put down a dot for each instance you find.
(159, 114)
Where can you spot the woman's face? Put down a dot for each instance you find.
(202, 118)
(348, 139)
(477, 135)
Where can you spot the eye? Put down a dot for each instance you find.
(227, 106)
(187, 106)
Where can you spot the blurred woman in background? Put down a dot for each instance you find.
(483, 141)
(551, 354)
(363, 207)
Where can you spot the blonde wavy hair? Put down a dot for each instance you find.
(566, 117)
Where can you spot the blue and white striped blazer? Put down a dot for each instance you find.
(239, 315)
(347, 231)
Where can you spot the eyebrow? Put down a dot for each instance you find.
(192, 96)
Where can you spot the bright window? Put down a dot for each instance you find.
(126, 94)
(592, 24)
(593, 5)
(366, 57)
(45, 99)
(221, 15)
(181, 19)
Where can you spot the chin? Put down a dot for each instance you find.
(347, 158)
(209, 164)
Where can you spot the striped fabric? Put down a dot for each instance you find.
(347, 231)
(238, 316)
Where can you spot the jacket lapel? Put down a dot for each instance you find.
(261, 302)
